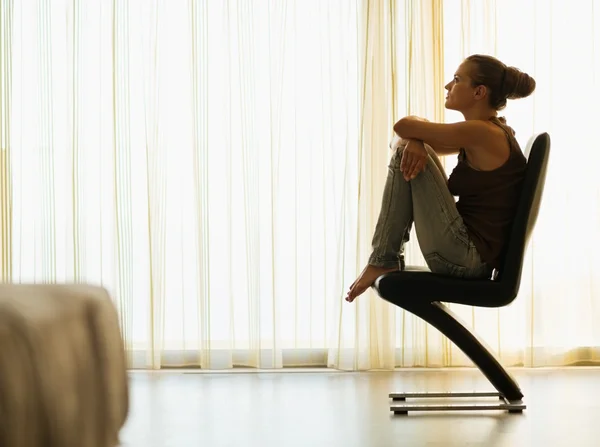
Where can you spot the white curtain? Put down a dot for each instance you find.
(6, 30)
(218, 166)
(198, 159)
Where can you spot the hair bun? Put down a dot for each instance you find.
(517, 84)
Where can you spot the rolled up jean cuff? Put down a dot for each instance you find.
(386, 261)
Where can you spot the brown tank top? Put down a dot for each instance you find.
(487, 200)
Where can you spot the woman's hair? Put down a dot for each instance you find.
(502, 81)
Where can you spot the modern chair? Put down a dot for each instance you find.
(422, 293)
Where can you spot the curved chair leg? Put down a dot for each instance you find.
(443, 319)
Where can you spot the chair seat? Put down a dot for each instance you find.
(419, 283)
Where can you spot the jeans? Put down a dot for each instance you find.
(441, 232)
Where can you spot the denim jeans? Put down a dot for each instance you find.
(441, 232)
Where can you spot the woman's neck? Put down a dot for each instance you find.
(482, 114)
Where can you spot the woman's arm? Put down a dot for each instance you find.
(438, 148)
(468, 134)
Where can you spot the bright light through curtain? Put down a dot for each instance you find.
(197, 158)
(218, 166)
(420, 83)
(6, 29)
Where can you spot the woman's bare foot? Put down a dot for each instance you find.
(366, 279)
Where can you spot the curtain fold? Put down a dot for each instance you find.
(363, 336)
(218, 167)
(196, 158)
(422, 86)
(6, 202)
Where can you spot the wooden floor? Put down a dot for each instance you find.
(310, 408)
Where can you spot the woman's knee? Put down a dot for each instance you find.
(435, 160)
(433, 155)
(396, 157)
(430, 150)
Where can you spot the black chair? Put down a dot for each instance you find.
(421, 292)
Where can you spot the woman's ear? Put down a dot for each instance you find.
(480, 92)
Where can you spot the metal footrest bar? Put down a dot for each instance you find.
(404, 396)
(504, 405)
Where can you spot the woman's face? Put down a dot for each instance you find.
(461, 93)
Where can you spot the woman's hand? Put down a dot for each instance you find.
(414, 159)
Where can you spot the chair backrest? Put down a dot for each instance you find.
(527, 212)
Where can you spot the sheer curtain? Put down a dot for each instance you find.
(197, 158)
(6, 29)
(218, 167)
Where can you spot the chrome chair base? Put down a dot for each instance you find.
(516, 406)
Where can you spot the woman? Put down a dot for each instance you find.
(466, 238)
